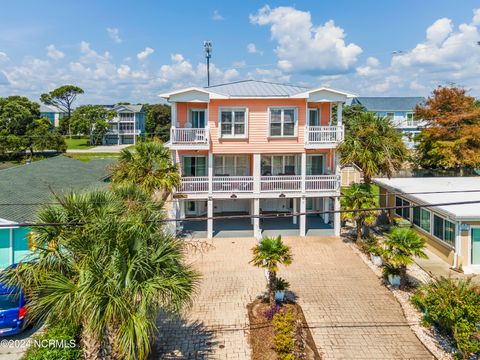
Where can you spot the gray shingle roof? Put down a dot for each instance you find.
(34, 183)
(255, 88)
(389, 103)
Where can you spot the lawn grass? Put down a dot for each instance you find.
(78, 143)
(92, 156)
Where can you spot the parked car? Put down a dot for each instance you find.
(12, 310)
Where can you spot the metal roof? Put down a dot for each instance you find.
(33, 184)
(384, 103)
(255, 88)
(132, 108)
(439, 185)
(50, 108)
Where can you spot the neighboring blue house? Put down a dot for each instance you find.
(399, 109)
(126, 126)
(53, 113)
(24, 188)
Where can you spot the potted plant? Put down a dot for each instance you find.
(401, 245)
(280, 286)
(376, 255)
(392, 274)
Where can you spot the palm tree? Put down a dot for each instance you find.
(149, 166)
(401, 245)
(111, 276)
(359, 197)
(269, 254)
(372, 143)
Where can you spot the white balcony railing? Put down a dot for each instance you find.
(189, 136)
(321, 135)
(322, 182)
(281, 183)
(194, 184)
(232, 184)
(245, 184)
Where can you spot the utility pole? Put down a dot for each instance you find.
(207, 46)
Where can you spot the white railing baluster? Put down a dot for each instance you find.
(189, 136)
(323, 134)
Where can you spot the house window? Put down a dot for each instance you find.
(438, 227)
(278, 165)
(425, 220)
(231, 165)
(416, 216)
(390, 115)
(402, 208)
(410, 119)
(314, 164)
(233, 123)
(450, 233)
(283, 122)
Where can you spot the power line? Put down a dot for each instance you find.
(248, 216)
(173, 201)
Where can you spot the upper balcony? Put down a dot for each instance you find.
(190, 138)
(323, 137)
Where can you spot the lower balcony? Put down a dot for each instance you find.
(246, 184)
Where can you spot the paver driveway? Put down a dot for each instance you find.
(351, 314)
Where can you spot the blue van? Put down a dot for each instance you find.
(12, 310)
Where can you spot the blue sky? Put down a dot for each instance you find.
(133, 50)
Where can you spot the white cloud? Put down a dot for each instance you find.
(439, 30)
(217, 16)
(91, 56)
(54, 53)
(142, 55)
(252, 49)
(123, 71)
(114, 34)
(303, 47)
(3, 56)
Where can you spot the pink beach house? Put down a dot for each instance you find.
(257, 148)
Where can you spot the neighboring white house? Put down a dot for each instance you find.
(452, 231)
(399, 109)
(126, 126)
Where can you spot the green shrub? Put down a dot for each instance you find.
(454, 307)
(61, 332)
(284, 338)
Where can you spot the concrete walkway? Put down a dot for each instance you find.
(351, 314)
(100, 149)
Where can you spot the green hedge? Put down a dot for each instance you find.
(66, 335)
(454, 307)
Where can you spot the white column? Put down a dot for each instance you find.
(295, 210)
(257, 232)
(339, 114)
(11, 247)
(458, 245)
(256, 173)
(303, 218)
(134, 129)
(326, 207)
(210, 173)
(336, 216)
(303, 170)
(173, 114)
(210, 220)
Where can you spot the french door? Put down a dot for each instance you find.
(194, 166)
(197, 118)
